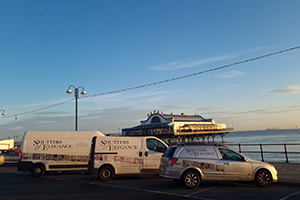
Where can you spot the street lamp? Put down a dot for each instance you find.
(3, 112)
(69, 91)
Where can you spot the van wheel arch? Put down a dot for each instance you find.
(106, 172)
(38, 170)
(263, 177)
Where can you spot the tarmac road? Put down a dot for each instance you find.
(21, 186)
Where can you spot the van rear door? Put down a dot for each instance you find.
(125, 154)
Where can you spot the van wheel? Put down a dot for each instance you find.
(191, 179)
(37, 170)
(263, 178)
(106, 173)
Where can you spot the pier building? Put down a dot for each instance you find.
(172, 128)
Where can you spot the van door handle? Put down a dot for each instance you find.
(227, 163)
(140, 154)
(146, 153)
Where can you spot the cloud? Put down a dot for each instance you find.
(175, 106)
(230, 74)
(256, 49)
(269, 110)
(51, 113)
(129, 98)
(218, 112)
(293, 89)
(41, 104)
(181, 64)
(166, 66)
(46, 122)
(16, 128)
(209, 108)
(156, 99)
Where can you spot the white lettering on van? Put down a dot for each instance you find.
(114, 145)
(50, 144)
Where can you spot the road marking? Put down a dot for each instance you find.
(200, 191)
(290, 195)
(134, 188)
(153, 183)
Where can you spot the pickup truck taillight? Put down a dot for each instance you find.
(172, 161)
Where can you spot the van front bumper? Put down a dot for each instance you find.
(274, 175)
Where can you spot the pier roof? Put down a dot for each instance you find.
(183, 117)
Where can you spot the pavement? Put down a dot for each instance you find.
(288, 173)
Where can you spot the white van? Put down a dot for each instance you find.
(43, 151)
(125, 155)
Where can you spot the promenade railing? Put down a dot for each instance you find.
(275, 149)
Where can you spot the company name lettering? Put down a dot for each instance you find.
(50, 144)
(199, 152)
(113, 145)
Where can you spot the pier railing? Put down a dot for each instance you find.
(248, 148)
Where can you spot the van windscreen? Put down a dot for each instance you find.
(169, 152)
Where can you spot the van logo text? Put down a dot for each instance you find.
(199, 152)
(113, 145)
(50, 144)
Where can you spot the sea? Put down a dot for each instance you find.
(270, 140)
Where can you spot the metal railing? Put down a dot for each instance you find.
(262, 151)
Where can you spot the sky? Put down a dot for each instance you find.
(104, 46)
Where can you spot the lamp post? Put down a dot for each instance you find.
(3, 112)
(69, 91)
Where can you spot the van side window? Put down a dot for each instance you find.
(155, 145)
(230, 155)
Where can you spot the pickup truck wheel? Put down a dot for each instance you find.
(106, 173)
(191, 179)
(37, 170)
(263, 178)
